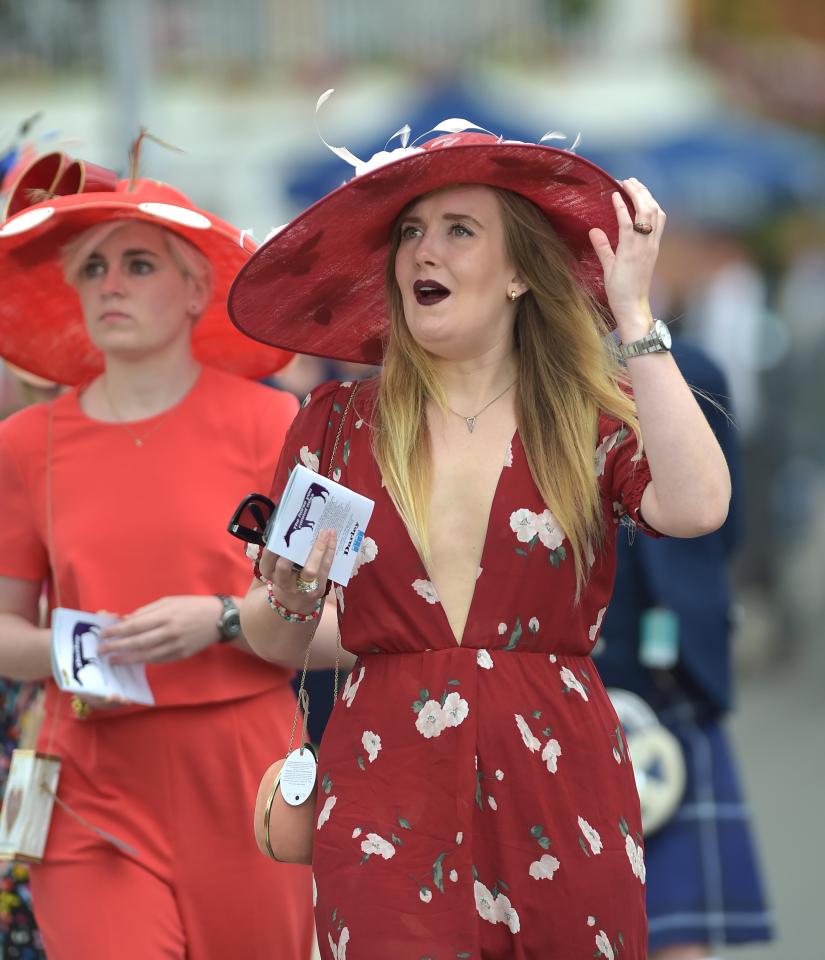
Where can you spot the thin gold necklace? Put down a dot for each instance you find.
(471, 421)
(138, 440)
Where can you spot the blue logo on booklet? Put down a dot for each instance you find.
(356, 544)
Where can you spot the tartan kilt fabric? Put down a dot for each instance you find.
(703, 879)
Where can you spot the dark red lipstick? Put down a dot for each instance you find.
(428, 292)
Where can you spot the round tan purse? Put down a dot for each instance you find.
(284, 831)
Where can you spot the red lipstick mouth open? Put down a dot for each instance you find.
(428, 292)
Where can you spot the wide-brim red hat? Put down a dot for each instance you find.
(318, 285)
(41, 321)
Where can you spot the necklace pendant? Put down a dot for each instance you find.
(471, 422)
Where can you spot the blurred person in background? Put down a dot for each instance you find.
(473, 800)
(801, 306)
(798, 484)
(726, 313)
(718, 289)
(301, 374)
(21, 707)
(115, 496)
(722, 293)
(667, 637)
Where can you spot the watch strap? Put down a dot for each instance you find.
(650, 343)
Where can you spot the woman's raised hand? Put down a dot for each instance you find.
(628, 270)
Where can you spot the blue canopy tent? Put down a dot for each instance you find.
(727, 173)
(730, 174)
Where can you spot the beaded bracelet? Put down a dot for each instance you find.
(256, 571)
(253, 552)
(290, 616)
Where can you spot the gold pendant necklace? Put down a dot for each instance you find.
(138, 440)
(471, 421)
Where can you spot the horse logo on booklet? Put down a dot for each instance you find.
(79, 660)
(314, 492)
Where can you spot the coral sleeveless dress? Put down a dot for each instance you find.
(475, 800)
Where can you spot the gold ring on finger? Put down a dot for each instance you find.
(643, 227)
(306, 586)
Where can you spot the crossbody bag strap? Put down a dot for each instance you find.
(339, 433)
(50, 502)
(303, 696)
(49, 495)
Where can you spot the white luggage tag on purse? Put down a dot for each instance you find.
(298, 774)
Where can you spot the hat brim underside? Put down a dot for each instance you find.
(41, 323)
(317, 287)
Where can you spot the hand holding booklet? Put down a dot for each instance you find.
(311, 503)
(79, 668)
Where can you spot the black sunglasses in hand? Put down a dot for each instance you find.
(250, 521)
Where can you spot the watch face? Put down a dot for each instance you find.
(231, 623)
(662, 330)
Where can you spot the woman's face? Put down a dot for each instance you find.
(454, 275)
(135, 299)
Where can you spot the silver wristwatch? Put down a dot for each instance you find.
(657, 340)
(229, 622)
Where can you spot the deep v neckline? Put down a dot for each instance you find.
(442, 612)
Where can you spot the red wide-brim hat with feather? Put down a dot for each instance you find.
(318, 284)
(41, 322)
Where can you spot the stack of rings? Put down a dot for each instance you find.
(306, 586)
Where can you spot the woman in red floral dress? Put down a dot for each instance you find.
(476, 799)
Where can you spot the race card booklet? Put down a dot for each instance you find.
(312, 503)
(78, 668)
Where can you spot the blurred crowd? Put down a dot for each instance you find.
(754, 301)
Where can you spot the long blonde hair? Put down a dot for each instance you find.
(569, 371)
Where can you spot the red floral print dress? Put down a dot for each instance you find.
(475, 800)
